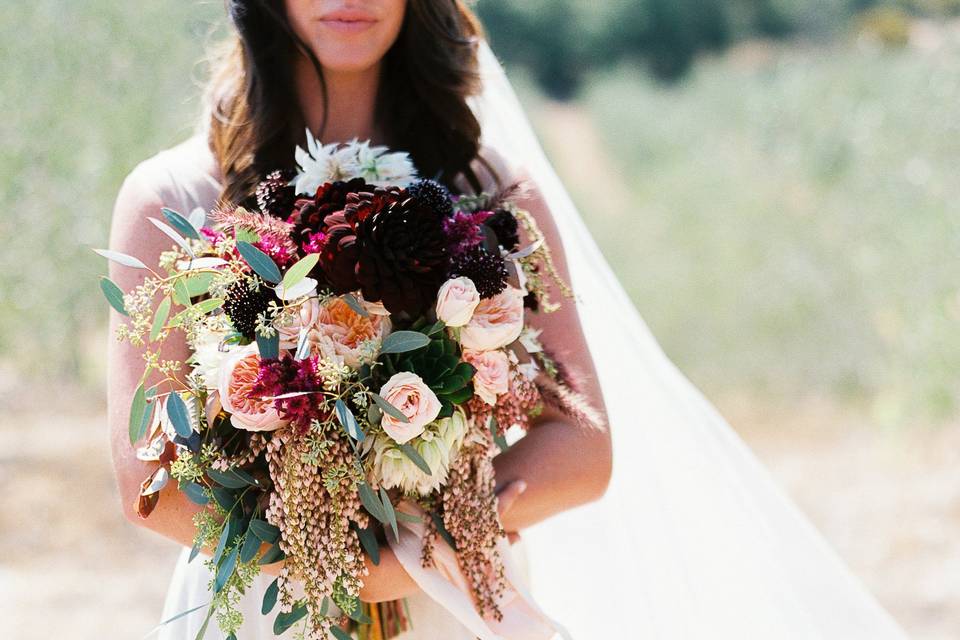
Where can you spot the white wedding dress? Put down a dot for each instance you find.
(693, 539)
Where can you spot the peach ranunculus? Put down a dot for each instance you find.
(456, 301)
(496, 322)
(238, 374)
(493, 373)
(409, 393)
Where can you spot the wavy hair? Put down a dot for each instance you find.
(426, 78)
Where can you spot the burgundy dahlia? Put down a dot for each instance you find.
(390, 246)
(310, 214)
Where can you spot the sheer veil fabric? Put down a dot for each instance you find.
(693, 539)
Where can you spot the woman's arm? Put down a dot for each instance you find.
(562, 464)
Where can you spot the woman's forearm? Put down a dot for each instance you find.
(563, 467)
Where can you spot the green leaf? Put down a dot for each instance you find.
(356, 612)
(246, 235)
(436, 328)
(222, 542)
(286, 620)
(269, 347)
(403, 341)
(174, 618)
(354, 304)
(260, 262)
(265, 531)
(225, 570)
(348, 421)
(121, 258)
(498, 436)
(195, 493)
(163, 311)
(232, 478)
(251, 545)
(201, 308)
(388, 408)
(403, 516)
(299, 271)
(224, 497)
(178, 414)
(371, 502)
(113, 294)
(171, 233)
(180, 223)
(190, 287)
(270, 597)
(194, 552)
(181, 294)
(137, 426)
(389, 512)
(368, 540)
(340, 634)
(416, 458)
(273, 554)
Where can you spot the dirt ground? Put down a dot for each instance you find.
(71, 566)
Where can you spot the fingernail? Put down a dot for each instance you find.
(521, 486)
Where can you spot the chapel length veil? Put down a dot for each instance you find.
(693, 539)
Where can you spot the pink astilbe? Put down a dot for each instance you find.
(463, 230)
(516, 407)
(286, 375)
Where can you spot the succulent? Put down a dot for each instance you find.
(441, 368)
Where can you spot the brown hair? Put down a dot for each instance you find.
(421, 107)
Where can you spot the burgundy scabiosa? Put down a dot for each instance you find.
(486, 269)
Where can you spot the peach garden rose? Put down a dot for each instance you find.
(496, 322)
(493, 373)
(238, 374)
(409, 393)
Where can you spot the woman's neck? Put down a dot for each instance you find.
(351, 101)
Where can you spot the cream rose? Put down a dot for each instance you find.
(493, 373)
(407, 392)
(496, 322)
(238, 374)
(456, 301)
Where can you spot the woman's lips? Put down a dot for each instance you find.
(348, 21)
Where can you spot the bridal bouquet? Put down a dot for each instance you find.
(359, 350)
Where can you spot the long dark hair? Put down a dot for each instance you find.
(426, 78)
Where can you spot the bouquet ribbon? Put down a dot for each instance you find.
(446, 584)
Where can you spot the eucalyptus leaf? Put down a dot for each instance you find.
(194, 552)
(113, 294)
(442, 530)
(403, 341)
(225, 570)
(137, 427)
(172, 234)
(264, 530)
(195, 493)
(498, 436)
(206, 263)
(181, 294)
(354, 304)
(403, 516)
(222, 543)
(175, 618)
(270, 597)
(178, 414)
(389, 512)
(260, 262)
(273, 554)
(160, 318)
(224, 497)
(299, 271)
(198, 218)
(181, 224)
(228, 479)
(348, 421)
(388, 408)
(269, 347)
(250, 547)
(415, 457)
(339, 633)
(286, 620)
(371, 502)
(368, 540)
(303, 344)
(121, 258)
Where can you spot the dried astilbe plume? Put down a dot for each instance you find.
(313, 503)
(570, 403)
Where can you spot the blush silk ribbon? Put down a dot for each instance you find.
(446, 584)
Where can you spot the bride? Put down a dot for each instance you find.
(690, 540)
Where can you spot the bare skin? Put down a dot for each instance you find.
(554, 468)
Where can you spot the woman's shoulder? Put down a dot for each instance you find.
(181, 177)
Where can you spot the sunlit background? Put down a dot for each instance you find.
(775, 181)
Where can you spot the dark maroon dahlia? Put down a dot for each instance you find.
(504, 225)
(390, 246)
(275, 196)
(487, 270)
(309, 215)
